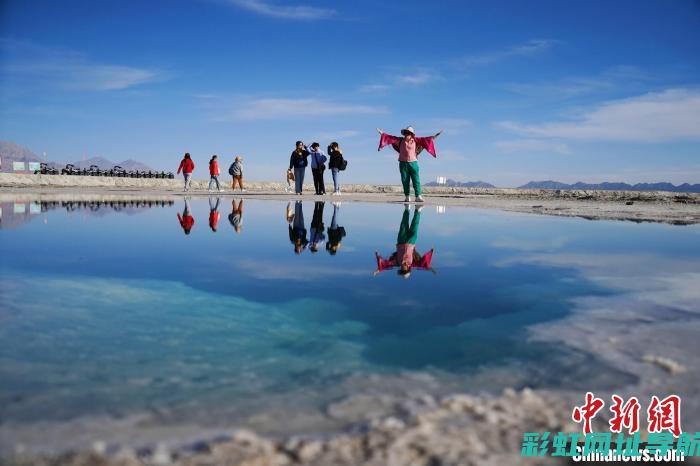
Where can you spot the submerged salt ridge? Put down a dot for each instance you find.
(233, 326)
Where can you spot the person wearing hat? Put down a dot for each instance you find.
(236, 172)
(409, 146)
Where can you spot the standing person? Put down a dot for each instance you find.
(336, 164)
(236, 215)
(214, 214)
(408, 147)
(335, 233)
(186, 219)
(186, 167)
(236, 172)
(214, 173)
(318, 166)
(298, 161)
(317, 227)
(297, 230)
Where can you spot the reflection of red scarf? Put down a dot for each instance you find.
(395, 261)
(426, 143)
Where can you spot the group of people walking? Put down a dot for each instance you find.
(235, 170)
(408, 146)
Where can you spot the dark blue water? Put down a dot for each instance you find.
(113, 310)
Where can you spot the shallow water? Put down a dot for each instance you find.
(114, 310)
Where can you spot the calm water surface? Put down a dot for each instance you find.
(232, 308)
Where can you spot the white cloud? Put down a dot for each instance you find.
(529, 48)
(533, 145)
(416, 79)
(654, 117)
(374, 87)
(39, 66)
(397, 79)
(449, 126)
(280, 108)
(295, 12)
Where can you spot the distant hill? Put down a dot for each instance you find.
(619, 186)
(12, 152)
(462, 184)
(104, 163)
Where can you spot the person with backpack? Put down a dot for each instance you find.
(318, 166)
(298, 161)
(186, 167)
(336, 164)
(214, 173)
(236, 172)
(409, 147)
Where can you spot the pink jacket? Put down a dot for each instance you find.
(408, 152)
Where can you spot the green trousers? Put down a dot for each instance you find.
(410, 174)
(408, 234)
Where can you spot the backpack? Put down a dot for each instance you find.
(230, 169)
(343, 165)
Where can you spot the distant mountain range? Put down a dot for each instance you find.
(683, 188)
(12, 152)
(462, 184)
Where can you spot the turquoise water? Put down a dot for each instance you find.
(110, 310)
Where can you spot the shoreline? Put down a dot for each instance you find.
(635, 206)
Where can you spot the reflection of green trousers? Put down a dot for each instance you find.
(408, 235)
(409, 174)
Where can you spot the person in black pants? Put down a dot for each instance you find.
(317, 227)
(318, 165)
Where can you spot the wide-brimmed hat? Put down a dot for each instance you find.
(408, 129)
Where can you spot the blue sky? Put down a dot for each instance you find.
(580, 90)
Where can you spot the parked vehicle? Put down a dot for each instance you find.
(44, 169)
(94, 170)
(70, 170)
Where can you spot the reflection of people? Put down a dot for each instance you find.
(317, 227)
(186, 219)
(409, 147)
(214, 214)
(297, 231)
(335, 233)
(236, 215)
(298, 161)
(186, 167)
(406, 256)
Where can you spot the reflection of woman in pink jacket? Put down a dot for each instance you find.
(408, 147)
(406, 256)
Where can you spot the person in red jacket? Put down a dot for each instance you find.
(214, 173)
(186, 219)
(214, 214)
(186, 167)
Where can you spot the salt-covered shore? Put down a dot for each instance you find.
(638, 206)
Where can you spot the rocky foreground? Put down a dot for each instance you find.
(456, 430)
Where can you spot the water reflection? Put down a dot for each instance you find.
(186, 219)
(236, 215)
(406, 257)
(318, 238)
(297, 230)
(335, 233)
(15, 214)
(214, 214)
